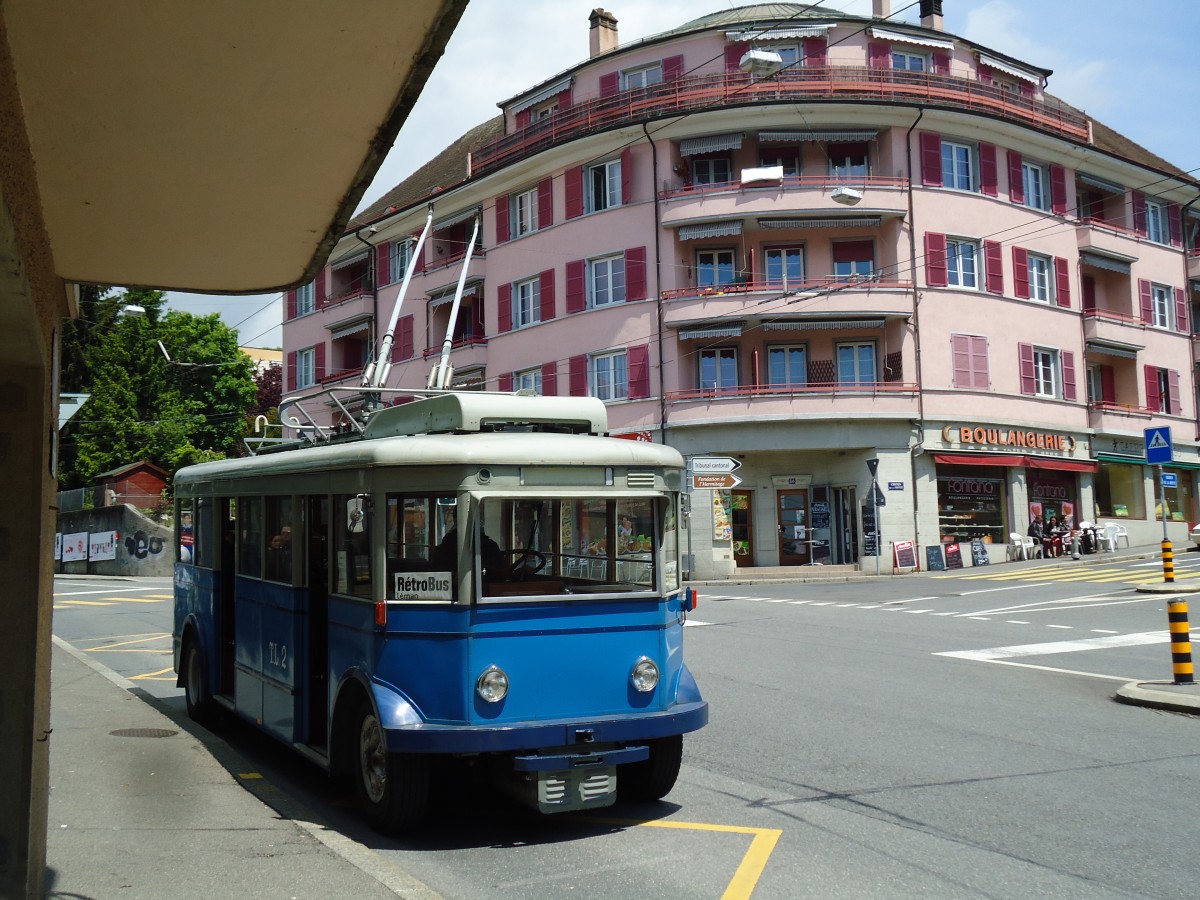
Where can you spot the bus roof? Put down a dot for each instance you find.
(468, 411)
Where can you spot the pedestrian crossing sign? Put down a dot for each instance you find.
(1158, 445)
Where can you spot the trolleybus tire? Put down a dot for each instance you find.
(652, 779)
(392, 788)
(201, 707)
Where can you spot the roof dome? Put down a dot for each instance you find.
(777, 13)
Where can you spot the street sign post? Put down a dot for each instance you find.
(877, 500)
(714, 482)
(1170, 479)
(714, 465)
(1158, 451)
(1158, 446)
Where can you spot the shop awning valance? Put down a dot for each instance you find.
(350, 260)
(919, 40)
(799, 137)
(348, 328)
(544, 94)
(1100, 184)
(710, 230)
(1103, 261)
(712, 143)
(1008, 68)
(450, 221)
(777, 34)
(1015, 460)
(726, 329)
(1121, 351)
(839, 222)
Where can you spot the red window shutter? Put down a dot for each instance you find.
(1068, 375)
(635, 273)
(1062, 282)
(880, 55)
(522, 119)
(564, 98)
(994, 263)
(419, 268)
(1146, 298)
(985, 75)
(1153, 398)
(814, 51)
(960, 351)
(319, 289)
(1025, 88)
(546, 296)
(1016, 180)
(383, 264)
(1108, 384)
(502, 221)
(576, 286)
(1181, 311)
(289, 382)
(935, 259)
(478, 330)
(1028, 381)
(318, 363)
(672, 68)
(407, 345)
(1139, 212)
(733, 56)
(1021, 272)
(989, 176)
(610, 84)
(291, 304)
(573, 185)
(550, 380)
(545, 196)
(1088, 290)
(1058, 190)
(638, 361)
(626, 176)
(1175, 401)
(931, 159)
(505, 382)
(1175, 222)
(504, 307)
(577, 369)
(979, 362)
(941, 64)
(853, 251)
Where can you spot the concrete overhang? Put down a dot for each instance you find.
(217, 146)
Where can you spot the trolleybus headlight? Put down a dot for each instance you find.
(492, 685)
(644, 676)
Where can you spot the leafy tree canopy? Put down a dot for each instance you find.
(172, 411)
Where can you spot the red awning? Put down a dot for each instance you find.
(1063, 465)
(979, 459)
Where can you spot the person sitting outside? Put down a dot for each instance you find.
(1053, 541)
(491, 556)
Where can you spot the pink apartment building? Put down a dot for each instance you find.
(897, 247)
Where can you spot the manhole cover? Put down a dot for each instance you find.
(143, 732)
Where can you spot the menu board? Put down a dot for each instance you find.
(979, 554)
(870, 538)
(953, 556)
(934, 561)
(820, 514)
(904, 555)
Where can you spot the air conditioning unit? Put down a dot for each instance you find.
(761, 63)
(847, 196)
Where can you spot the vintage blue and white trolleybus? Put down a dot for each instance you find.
(474, 575)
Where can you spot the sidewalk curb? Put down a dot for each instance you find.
(1158, 695)
(390, 876)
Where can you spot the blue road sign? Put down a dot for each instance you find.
(1158, 445)
(1170, 479)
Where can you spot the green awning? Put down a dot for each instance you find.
(1141, 461)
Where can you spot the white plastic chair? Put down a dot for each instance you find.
(1016, 546)
(1107, 539)
(1118, 533)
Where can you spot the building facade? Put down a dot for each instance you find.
(809, 242)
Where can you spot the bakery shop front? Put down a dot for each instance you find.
(993, 480)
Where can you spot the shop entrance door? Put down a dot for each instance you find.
(845, 525)
(742, 520)
(794, 537)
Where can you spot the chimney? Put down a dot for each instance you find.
(931, 15)
(881, 9)
(603, 36)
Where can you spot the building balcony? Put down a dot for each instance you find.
(845, 83)
(466, 353)
(457, 345)
(439, 261)
(350, 304)
(1114, 327)
(1108, 238)
(802, 195)
(886, 296)
(1106, 417)
(1193, 263)
(832, 400)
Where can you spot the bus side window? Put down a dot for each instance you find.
(352, 545)
(250, 536)
(203, 535)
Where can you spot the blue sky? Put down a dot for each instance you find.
(1129, 63)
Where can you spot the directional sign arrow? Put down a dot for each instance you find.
(714, 482)
(711, 465)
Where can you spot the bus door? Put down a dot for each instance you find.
(228, 589)
(316, 579)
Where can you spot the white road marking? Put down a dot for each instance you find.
(869, 607)
(799, 602)
(1015, 622)
(917, 612)
(784, 600)
(1055, 647)
(692, 623)
(1064, 627)
(979, 618)
(846, 605)
(1087, 597)
(824, 603)
(946, 614)
(1015, 587)
(1104, 631)
(123, 589)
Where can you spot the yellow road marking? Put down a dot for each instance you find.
(154, 676)
(138, 599)
(141, 640)
(249, 776)
(86, 603)
(745, 879)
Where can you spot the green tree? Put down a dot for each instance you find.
(171, 412)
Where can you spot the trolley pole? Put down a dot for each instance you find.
(1181, 642)
(1168, 554)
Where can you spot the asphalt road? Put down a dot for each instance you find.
(947, 735)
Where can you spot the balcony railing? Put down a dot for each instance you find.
(826, 286)
(441, 261)
(341, 375)
(699, 92)
(355, 292)
(858, 388)
(457, 343)
(818, 182)
(1113, 315)
(1105, 225)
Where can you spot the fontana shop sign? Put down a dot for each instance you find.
(972, 436)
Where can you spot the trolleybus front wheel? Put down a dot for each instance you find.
(393, 788)
(200, 706)
(652, 779)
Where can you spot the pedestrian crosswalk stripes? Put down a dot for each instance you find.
(1124, 572)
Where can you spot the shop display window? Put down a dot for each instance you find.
(972, 504)
(1120, 491)
(1054, 495)
(1181, 500)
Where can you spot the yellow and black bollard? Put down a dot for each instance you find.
(1168, 562)
(1181, 642)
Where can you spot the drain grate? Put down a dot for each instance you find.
(144, 732)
